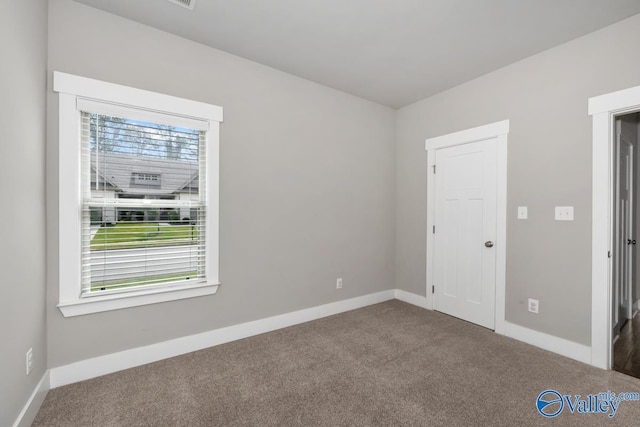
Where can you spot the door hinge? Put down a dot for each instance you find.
(609, 254)
(434, 168)
(434, 229)
(433, 289)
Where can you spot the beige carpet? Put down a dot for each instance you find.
(391, 364)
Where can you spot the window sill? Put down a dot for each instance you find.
(133, 299)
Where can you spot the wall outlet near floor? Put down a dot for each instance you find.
(339, 283)
(29, 360)
(534, 305)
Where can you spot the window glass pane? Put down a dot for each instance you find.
(143, 213)
(134, 253)
(140, 158)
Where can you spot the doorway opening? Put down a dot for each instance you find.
(605, 111)
(625, 294)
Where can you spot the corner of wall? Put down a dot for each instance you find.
(33, 404)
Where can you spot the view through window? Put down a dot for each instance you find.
(143, 221)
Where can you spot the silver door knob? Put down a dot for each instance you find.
(488, 244)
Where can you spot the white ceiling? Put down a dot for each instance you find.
(393, 52)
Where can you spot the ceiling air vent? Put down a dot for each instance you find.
(187, 4)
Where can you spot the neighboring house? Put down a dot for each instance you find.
(123, 176)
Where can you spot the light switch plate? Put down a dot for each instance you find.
(523, 212)
(564, 213)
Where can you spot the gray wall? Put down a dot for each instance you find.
(23, 32)
(307, 183)
(545, 97)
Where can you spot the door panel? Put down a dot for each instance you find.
(627, 298)
(623, 232)
(450, 247)
(465, 218)
(474, 233)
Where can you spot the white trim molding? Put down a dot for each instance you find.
(603, 109)
(411, 298)
(102, 365)
(125, 95)
(561, 346)
(76, 94)
(31, 408)
(467, 136)
(498, 130)
(134, 299)
(626, 100)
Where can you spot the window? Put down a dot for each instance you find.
(141, 170)
(148, 179)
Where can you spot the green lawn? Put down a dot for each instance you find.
(143, 234)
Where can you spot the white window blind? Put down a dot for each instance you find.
(143, 202)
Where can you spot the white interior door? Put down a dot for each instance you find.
(465, 231)
(624, 239)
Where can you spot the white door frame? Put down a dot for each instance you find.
(497, 130)
(604, 108)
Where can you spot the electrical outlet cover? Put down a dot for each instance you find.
(523, 212)
(564, 213)
(29, 360)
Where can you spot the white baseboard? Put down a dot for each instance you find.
(31, 408)
(102, 365)
(570, 349)
(411, 298)
(551, 343)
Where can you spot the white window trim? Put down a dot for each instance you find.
(71, 89)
